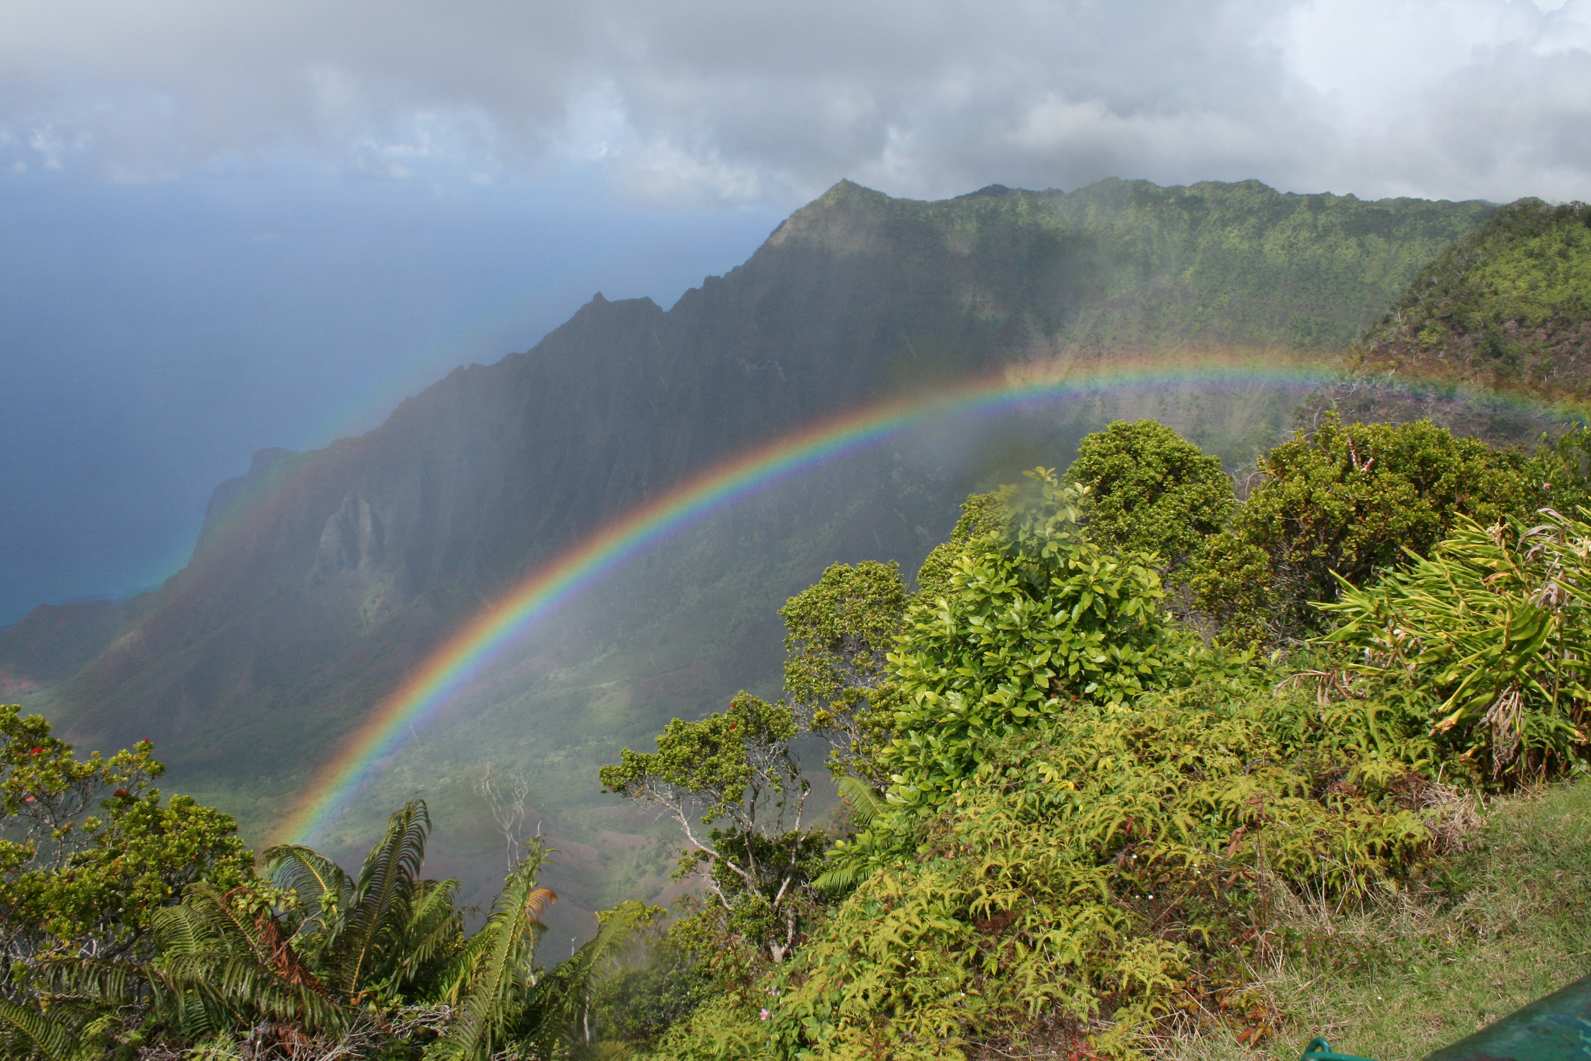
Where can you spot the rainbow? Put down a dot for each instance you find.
(451, 667)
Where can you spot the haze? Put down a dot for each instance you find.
(226, 226)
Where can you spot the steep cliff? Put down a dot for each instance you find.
(320, 578)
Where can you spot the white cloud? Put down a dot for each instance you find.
(721, 100)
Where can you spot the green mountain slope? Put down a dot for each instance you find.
(1508, 307)
(321, 579)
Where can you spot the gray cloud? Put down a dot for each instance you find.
(703, 100)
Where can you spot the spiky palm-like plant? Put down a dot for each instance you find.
(224, 962)
(503, 1003)
(384, 936)
(492, 977)
(355, 950)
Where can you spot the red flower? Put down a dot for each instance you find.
(122, 793)
(36, 751)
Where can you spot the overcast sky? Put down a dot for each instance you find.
(228, 224)
(735, 101)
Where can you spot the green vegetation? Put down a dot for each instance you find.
(1476, 934)
(736, 767)
(1139, 763)
(1031, 627)
(1491, 629)
(837, 635)
(1102, 835)
(1151, 491)
(1345, 502)
(1508, 307)
(143, 930)
(1129, 263)
(90, 851)
(1084, 817)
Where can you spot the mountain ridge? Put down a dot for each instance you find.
(320, 579)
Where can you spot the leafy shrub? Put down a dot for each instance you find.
(1090, 814)
(1151, 491)
(1092, 874)
(981, 515)
(1492, 629)
(1035, 621)
(1347, 501)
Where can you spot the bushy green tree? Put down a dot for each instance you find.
(837, 637)
(1151, 491)
(91, 852)
(1347, 500)
(733, 773)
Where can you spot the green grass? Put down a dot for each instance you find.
(1478, 935)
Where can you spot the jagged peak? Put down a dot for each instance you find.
(832, 217)
(602, 304)
(268, 458)
(848, 190)
(990, 191)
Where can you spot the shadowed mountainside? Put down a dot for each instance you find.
(321, 578)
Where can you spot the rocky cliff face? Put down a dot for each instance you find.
(321, 578)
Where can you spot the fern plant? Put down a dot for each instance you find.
(504, 1004)
(385, 935)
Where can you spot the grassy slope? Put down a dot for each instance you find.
(1483, 933)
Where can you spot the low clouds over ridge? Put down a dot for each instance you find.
(705, 100)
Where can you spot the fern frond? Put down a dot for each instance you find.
(321, 884)
(434, 933)
(241, 988)
(489, 980)
(56, 1039)
(376, 914)
(866, 803)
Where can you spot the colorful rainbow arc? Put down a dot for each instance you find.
(472, 648)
